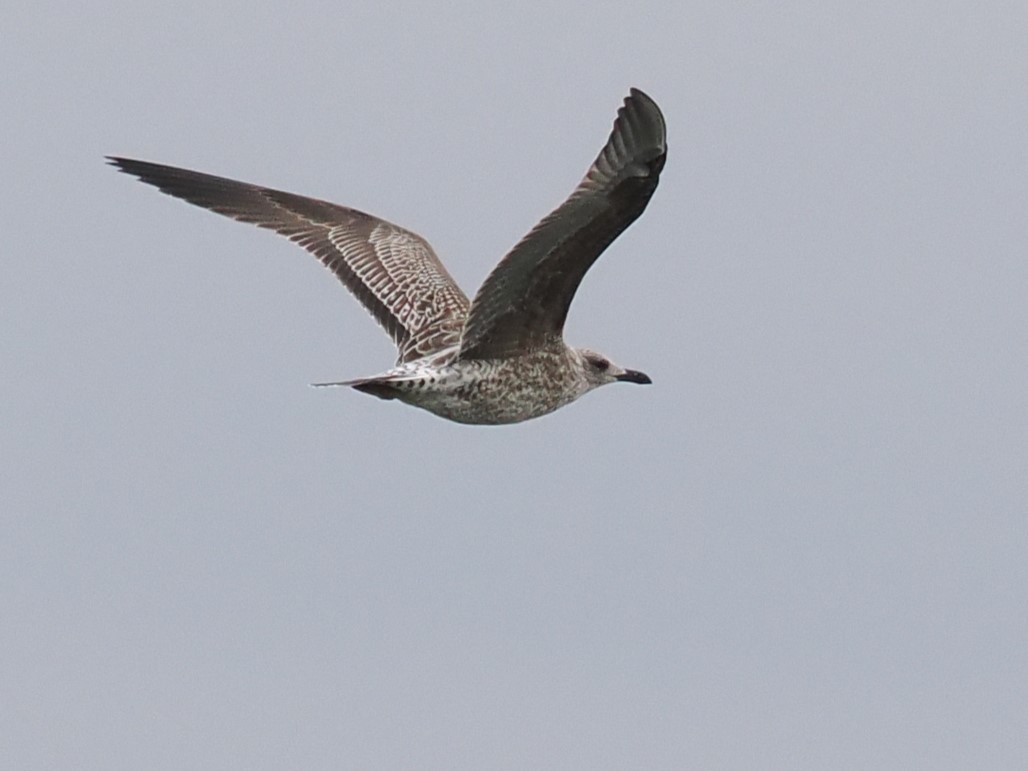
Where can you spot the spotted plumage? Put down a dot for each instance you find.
(498, 359)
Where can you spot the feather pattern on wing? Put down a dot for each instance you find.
(393, 272)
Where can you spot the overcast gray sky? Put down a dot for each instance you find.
(804, 547)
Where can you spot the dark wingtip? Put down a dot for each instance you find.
(638, 94)
(128, 165)
(640, 119)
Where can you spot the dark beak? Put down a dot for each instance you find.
(634, 376)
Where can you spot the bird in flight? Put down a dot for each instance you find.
(500, 358)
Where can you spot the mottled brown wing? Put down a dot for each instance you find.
(524, 302)
(393, 272)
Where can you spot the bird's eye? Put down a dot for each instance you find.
(601, 364)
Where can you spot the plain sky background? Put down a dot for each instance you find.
(804, 547)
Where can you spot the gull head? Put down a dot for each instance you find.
(599, 370)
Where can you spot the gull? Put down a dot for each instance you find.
(500, 358)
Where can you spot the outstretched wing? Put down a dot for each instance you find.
(523, 303)
(393, 272)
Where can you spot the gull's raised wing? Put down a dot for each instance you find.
(523, 303)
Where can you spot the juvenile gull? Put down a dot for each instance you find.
(502, 357)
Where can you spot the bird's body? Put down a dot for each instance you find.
(489, 391)
(501, 358)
